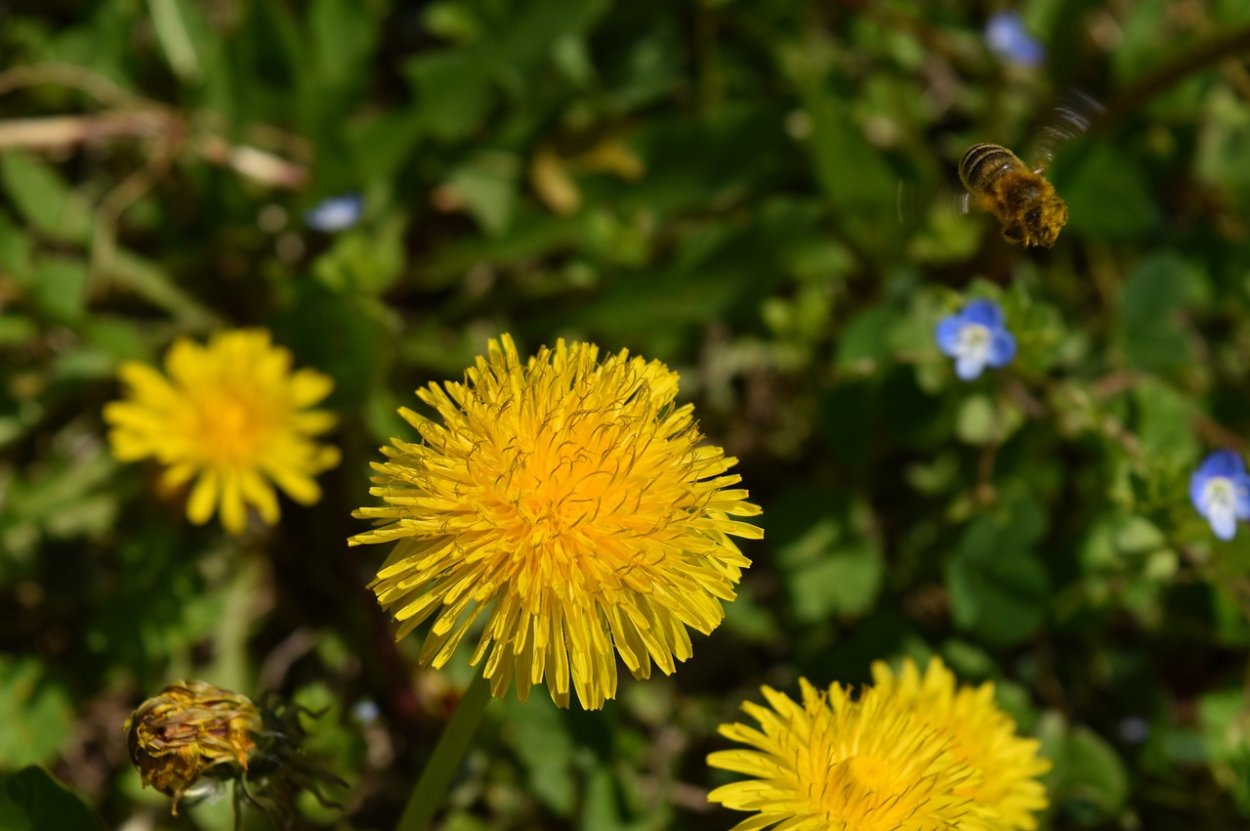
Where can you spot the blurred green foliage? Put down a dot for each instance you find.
(716, 184)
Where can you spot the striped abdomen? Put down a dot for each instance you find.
(984, 163)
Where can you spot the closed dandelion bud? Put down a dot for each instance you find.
(194, 737)
(192, 731)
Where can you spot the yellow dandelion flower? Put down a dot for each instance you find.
(830, 763)
(1005, 768)
(231, 415)
(572, 501)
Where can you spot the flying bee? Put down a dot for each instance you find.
(1025, 203)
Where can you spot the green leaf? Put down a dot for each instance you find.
(1223, 715)
(169, 22)
(1088, 781)
(488, 186)
(61, 287)
(1163, 423)
(866, 337)
(1101, 177)
(343, 35)
(31, 800)
(379, 145)
(16, 329)
(1002, 600)
(601, 809)
(35, 712)
(44, 200)
(367, 261)
(999, 589)
(977, 422)
(851, 172)
(844, 583)
(15, 251)
(539, 735)
(1154, 293)
(453, 89)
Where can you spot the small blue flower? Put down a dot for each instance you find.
(1007, 37)
(366, 711)
(976, 338)
(337, 213)
(1220, 490)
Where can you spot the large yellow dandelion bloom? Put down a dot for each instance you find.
(569, 502)
(232, 416)
(1004, 786)
(830, 763)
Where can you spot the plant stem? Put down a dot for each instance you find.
(431, 788)
(230, 666)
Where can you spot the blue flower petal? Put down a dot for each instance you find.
(969, 367)
(948, 333)
(985, 312)
(1223, 523)
(1222, 463)
(1002, 348)
(1241, 486)
(337, 213)
(1197, 485)
(1008, 38)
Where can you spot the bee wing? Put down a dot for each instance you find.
(1071, 118)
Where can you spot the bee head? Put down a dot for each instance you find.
(1041, 223)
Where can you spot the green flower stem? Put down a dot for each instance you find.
(431, 789)
(238, 615)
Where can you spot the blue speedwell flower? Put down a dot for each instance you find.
(976, 338)
(336, 213)
(1007, 37)
(1220, 490)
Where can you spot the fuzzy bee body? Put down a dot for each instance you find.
(1023, 201)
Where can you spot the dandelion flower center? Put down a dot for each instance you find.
(235, 430)
(568, 501)
(866, 774)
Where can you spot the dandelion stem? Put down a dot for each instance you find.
(431, 789)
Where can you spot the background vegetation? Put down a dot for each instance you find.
(714, 184)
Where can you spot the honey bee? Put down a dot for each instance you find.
(1025, 203)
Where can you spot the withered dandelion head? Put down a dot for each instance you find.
(191, 731)
(830, 762)
(194, 737)
(568, 501)
(232, 416)
(1003, 785)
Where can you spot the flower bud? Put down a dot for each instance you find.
(192, 730)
